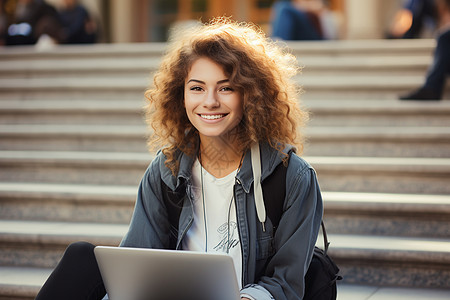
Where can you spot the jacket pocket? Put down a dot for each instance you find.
(264, 247)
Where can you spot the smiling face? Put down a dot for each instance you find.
(212, 105)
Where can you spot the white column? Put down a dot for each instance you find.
(363, 19)
(122, 21)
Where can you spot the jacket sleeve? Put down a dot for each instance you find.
(295, 237)
(149, 226)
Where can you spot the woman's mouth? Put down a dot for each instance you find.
(212, 117)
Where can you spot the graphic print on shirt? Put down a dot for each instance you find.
(229, 238)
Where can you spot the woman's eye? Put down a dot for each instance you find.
(227, 89)
(196, 88)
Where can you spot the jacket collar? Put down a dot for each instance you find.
(270, 159)
(184, 173)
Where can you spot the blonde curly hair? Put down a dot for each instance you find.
(259, 69)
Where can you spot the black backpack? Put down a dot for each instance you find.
(320, 280)
(322, 274)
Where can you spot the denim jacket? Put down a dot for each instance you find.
(274, 264)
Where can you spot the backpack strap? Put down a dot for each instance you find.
(174, 204)
(274, 192)
(257, 189)
(326, 243)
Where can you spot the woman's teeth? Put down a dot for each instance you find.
(212, 117)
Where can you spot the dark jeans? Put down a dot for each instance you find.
(76, 277)
(440, 68)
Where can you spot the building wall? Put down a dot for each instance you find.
(146, 20)
(368, 19)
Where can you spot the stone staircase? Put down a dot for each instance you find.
(72, 151)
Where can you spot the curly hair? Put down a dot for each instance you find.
(258, 68)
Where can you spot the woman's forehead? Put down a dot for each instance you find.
(205, 67)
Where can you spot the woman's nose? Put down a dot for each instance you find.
(211, 100)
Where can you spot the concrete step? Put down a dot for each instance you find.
(73, 167)
(80, 111)
(41, 244)
(24, 283)
(387, 214)
(392, 261)
(355, 48)
(316, 87)
(377, 113)
(352, 213)
(129, 138)
(378, 141)
(382, 174)
(328, 112)
(114, 67)
(67, 202)
(124, 66)
(98, 51)
(365, 65)
(371, 87)
(336, 48)
(352, 174)
(73, 88)
(370, 292)
(21, 283)
(429, 141)
(400, 261)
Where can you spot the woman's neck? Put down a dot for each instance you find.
(219, 155)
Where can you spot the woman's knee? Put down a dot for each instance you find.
(79, 250)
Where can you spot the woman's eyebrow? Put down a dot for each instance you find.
(202, 82)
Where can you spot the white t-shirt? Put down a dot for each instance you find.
(220, 233)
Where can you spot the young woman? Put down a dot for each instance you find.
(221, 90)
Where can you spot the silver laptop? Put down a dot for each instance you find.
(141, 274)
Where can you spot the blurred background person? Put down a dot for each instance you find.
(32, 20)
(77, 25)
(414, 19)
(302, 20)
(37, 22)
(3, 22)
(434, 85)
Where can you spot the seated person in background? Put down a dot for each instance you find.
(78, 26)
(32, 20)
(296, 20)
(434, 85)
